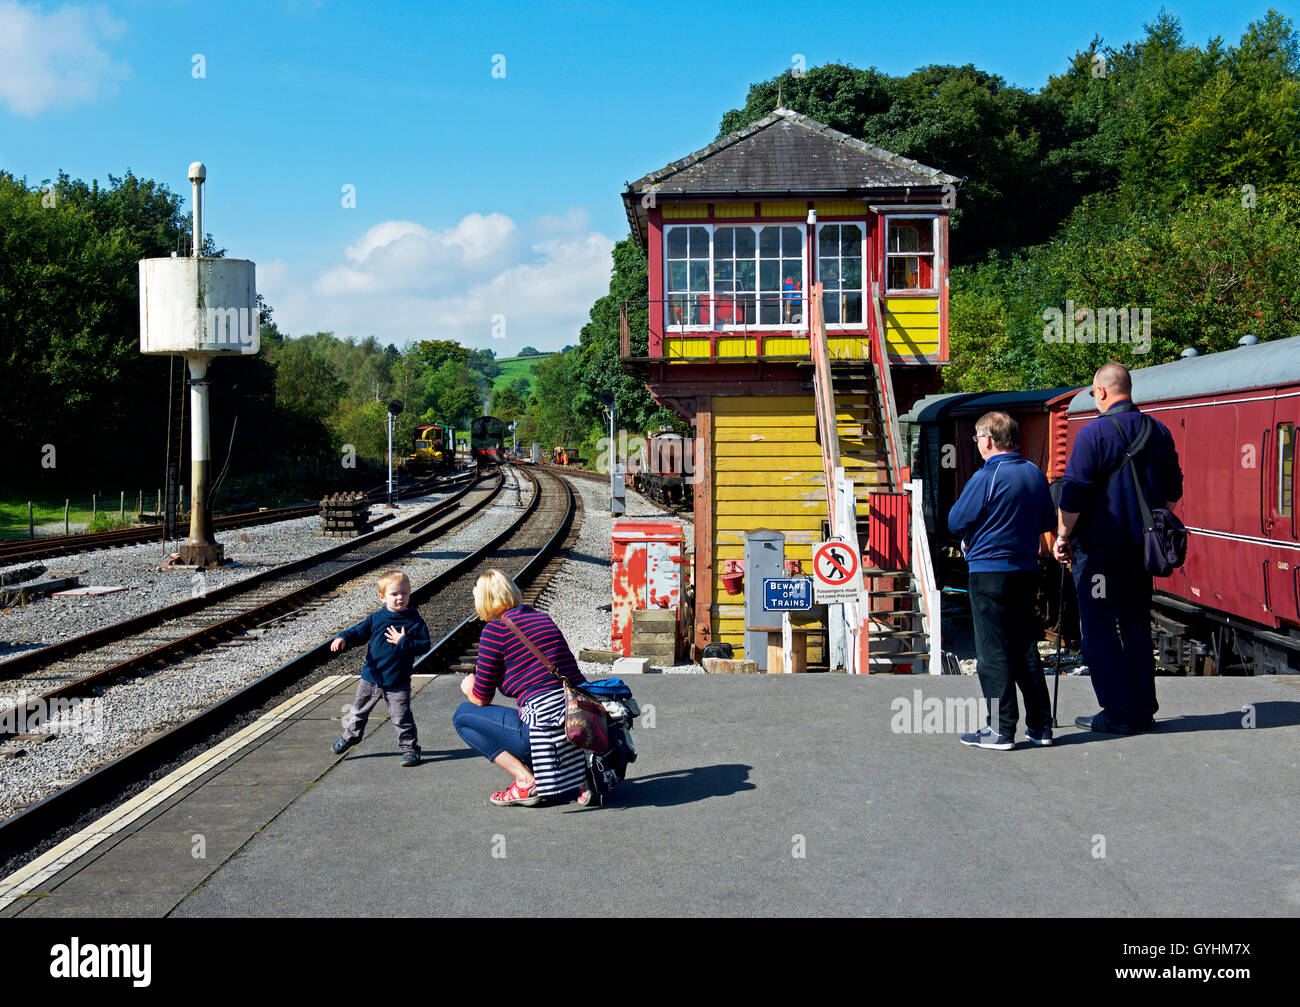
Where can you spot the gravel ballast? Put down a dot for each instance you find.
(150, 587)
(126, 712)
(578, 598)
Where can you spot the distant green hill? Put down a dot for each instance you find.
(517, 367)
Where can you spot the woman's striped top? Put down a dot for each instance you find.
(505, 665)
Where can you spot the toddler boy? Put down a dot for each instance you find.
(397, 636)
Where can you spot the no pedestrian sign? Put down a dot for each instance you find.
(837, 574)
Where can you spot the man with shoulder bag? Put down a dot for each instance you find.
(1114, 531)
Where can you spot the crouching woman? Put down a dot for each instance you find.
(514, 651)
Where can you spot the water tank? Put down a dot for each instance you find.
(195, 306)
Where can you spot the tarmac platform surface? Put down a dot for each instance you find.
(753, 795)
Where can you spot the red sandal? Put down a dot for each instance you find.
(515, 794)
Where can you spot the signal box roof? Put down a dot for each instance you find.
(785, 154)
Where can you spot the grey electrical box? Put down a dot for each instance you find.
(537, 453)
(617, 490)
(764, 559)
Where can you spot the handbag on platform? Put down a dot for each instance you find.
(585, 721)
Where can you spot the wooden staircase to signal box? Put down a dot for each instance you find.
(902, 597)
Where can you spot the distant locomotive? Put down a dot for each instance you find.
(1235, 604)
(487, 440)
(432, 450)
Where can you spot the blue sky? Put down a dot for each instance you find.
(475, 195)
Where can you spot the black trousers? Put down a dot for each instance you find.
(1002, 608)
(1114, 591)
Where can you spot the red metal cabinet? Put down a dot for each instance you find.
(648, 559)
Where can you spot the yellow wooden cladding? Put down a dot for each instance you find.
(785, 346)
(677, 346)
(733, 210)
(737, 346)
(848, 347)
(841, 207)
(783, 210)
(686, 211)
(912, 326)
(767, 473)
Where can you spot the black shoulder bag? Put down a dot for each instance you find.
(1164, 538)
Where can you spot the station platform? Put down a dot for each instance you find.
(807, 795)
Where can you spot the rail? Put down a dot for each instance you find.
(27, 826)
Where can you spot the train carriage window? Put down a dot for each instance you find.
(1285, 468)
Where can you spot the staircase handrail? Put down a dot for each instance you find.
(926, 583)
(824, 396)
(880, 349)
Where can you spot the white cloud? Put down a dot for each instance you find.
(55, 59)
(402, 281)
(400, 255)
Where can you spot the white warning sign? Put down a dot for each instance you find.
(837, 573)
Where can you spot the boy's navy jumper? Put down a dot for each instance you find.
(386, 665)
(387, 673)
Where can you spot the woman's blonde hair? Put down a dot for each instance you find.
(495, 593)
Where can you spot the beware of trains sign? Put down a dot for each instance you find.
(837, 573)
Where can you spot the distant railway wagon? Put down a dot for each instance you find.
(661, 471)
(487, 439)
(1235, 603)
(431, 450)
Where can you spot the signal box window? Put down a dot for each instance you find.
(839, 267)
(909, 253)
(688, 275)
(780, 273)
(733, 276)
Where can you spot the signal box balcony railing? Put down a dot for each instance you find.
(745, 326)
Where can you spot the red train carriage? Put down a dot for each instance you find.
(1233, 415)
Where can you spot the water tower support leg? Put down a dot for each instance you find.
(200, 550)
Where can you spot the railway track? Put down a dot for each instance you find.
(599, 477)
(526, 549)
(230, 616)
(23, 550)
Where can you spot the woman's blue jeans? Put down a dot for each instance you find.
(491, 730)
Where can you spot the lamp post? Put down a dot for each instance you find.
(394, 409)
(616, 485)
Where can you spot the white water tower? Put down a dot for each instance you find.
(202, 309)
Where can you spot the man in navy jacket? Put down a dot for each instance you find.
(1101, 523)
(1000, 515)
